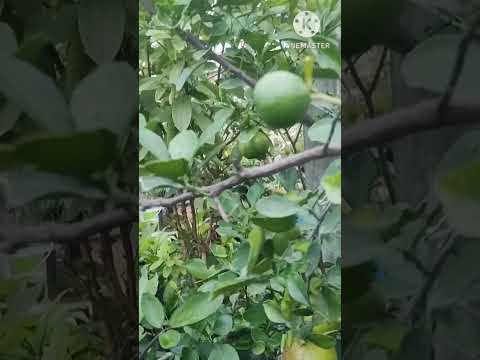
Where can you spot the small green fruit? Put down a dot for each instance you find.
(257, 147)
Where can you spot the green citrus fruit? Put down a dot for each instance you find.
(308, 351)
(281, 98)
(257, 147)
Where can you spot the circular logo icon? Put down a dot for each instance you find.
(306, 24)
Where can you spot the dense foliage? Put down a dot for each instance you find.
(68, 85)
(409, 274)
(251, 269)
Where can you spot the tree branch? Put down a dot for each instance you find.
(413, 119)
(243, 175)
(16, 236)
(198, 44)
(385, 128)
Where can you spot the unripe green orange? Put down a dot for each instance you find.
(257, 147)
(281, 99)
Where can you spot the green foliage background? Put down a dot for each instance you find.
(214, 285)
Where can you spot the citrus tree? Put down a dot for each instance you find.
(238, 255)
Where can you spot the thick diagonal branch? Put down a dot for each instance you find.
(16, 236)
(243, 175)
(198, 44)
(406, 121)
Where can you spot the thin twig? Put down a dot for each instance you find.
(457, 69)
(299, 169)
(378, 72)
(371, 113)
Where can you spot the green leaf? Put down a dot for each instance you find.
(430, 65)
(198, 269)
(197, 55)
(232, 83)
(169, 339)
(80, 154)
(297, 288)
(182, 112)
(153, 143)
(288, 178)
(273, 312)
(106, 99)
(229, 286)
(178, 43)
(151, 83)
(223, 325)
(196, 308)
(175, 72)
(457, 184)
(328, 58)
(332, 182)
(152, 310)
(219, 119)
(323, 341)
(276, 206)
(320, 131)
(277, 225)
(7, 39)
(36, 94)
(149, 183)
(9, 115)
(255, 192)
(223, 352)
(247, 135)
(171, 169)
(256, 239)
(185, 74)
(184, 145)
(101, 25)
(190, 354)
(158, 35)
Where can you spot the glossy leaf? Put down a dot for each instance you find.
(276, 206)
(36, 94)
(154, 144)
(106, 99)
(223, 352)
(183, 145)
(7, 39)
(153, 310)
(297, 288)
(196, 308)
(169, 339)
(101, 25)
(182, 113)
